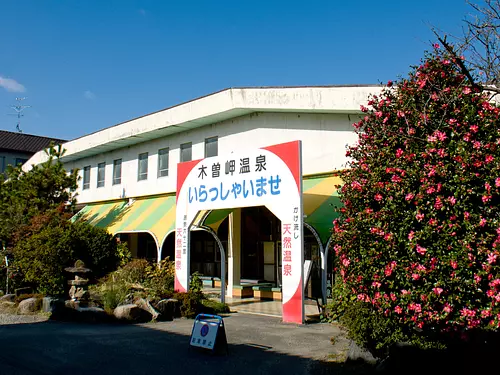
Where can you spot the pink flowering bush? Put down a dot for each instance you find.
(418, 239)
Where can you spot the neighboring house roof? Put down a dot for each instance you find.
(28, 143)
(216, 107)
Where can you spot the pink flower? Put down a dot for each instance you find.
(482, 222)
(489, 159)
(485, 313)
(419, 216)
(389, 83)
(415, 276)
(467, 90)
(418, 307)
(466, 215)
(474, 128)
(477, 145)
(492, 258)
(485, 198)
(346, 262)
(497, 182)
(411, 235)
(399, 152)
(452, 200)
(477, 278)
(454, 264)
(436, 46)
(400, 114)
(395, 178)
(438, 205)
(378, 197)
(421, 250)
(404, 292)
(487, 186)
(376, 284)
(447, 308)
(438, 291)
(398, 310)
(410, 196)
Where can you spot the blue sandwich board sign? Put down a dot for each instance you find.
(209, 333)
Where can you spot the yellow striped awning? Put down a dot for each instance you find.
(155, 215)
(101, 215)
(320, 198)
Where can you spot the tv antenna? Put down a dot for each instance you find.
(19, 108)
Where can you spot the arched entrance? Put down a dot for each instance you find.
(142, 245)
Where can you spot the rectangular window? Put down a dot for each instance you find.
(2, 164)
(163, 162)
(101, 174)
(117, 172)
(211, 147)
(86, 177)
(20, 161)
(143, 167)
(186, 152)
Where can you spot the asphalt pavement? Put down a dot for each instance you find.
(257, 345)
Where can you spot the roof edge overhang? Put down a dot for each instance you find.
(213, 108)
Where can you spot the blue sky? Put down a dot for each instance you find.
(86, 65)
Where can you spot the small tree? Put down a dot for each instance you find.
(418, 239)
(26, 194)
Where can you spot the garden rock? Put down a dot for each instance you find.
(132, 313)
(52, 305)
(167, 307)
(7, 304)
(145, 305)
(8, 298)
(28, 306)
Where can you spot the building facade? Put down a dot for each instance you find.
(17, 148)
(129, 177)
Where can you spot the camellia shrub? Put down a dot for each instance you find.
(418, 238)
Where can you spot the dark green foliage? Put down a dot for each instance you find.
(95, 247)
(43, 251)
(24, 195)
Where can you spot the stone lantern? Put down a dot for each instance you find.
(78, 292)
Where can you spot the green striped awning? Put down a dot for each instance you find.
(320, 199)
(152, 214)
(101, 215)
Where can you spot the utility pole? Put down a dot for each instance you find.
(19, 108)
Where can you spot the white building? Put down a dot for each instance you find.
(128, 175)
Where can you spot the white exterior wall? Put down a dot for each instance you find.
(324, 137)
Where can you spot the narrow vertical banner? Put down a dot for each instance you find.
(183, 220)
(291, 215)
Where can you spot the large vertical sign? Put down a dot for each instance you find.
(271, 177)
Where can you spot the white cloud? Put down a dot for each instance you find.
(89, 95)
(11, 85)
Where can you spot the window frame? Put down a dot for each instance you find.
(117, 162)
(209, 141)
(186, 146)
(100, 183)
(144, 175)
(163, 152)
(86, 184)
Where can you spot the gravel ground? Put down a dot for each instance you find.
(21, 319)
